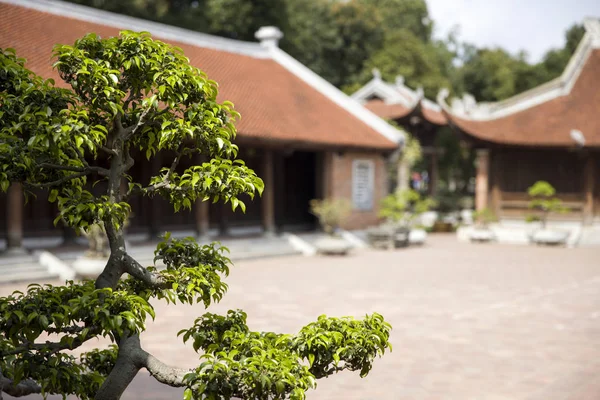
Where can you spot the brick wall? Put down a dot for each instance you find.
(338, 184)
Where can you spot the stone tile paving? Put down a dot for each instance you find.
(471, 322)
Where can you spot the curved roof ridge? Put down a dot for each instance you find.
(468, 108)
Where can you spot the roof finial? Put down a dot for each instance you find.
(399, 81)
(420, 92)
(376, 73)
(269, 36)
(592, 28)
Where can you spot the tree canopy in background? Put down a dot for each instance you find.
(344, 40)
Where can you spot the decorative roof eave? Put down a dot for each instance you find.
(388, 93)
(467, 108)
(166, 32)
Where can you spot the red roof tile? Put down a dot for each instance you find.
(433, 116)
(397, 111)
(549, 123)
(275, 104)
(387, 111)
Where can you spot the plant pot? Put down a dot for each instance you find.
(417, 236)
(549, 237)
(481, 235)
(441, 226)
(89, 268)
(332, 245)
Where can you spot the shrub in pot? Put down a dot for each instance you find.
(482, 232)
(544, 202)
(331, 213)
(402, 210)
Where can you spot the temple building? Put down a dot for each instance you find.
(409, 109)
(551, 133)
(304, 137)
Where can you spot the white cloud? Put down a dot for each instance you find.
(535, 26)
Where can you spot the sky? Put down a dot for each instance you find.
(535, 26)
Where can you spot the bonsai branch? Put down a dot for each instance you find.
(51, 347)
(23, 388)
(162, 372)
(135, 269)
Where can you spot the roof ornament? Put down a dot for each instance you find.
(441, 98)
(578, 137)
(592, 27)
(269, 36)
(376, 74)
(399, 81)
(420, 92)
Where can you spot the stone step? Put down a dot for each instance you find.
(31, 276)
(23, 267)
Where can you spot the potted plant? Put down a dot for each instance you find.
(544, 202)
(448, 203)
(482, 232)
(331, 213)
(401, 211)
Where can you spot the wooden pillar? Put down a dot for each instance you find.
(588, 187)
(14, 218)
(268, 196)
(402, 175)
(496, 192)
(279, 196)
(482, 179)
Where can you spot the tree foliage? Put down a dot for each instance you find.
(403, 207)
(330, 212)
(133, 94)
(542, 199)
(343, 41)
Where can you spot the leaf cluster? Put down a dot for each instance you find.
(259, 365)
(403, 207)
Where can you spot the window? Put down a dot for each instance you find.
(363, 177)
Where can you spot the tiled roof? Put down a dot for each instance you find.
(387, 111)
(276, 105)
(397, 111)
(548, 123)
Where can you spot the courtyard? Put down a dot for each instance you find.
(470, 322)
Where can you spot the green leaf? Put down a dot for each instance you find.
(188, 394)
(52, 195)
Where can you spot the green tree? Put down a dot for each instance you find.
(396, 15)
(405, 54)
(542, 199)
(489, 75)
(133, 93)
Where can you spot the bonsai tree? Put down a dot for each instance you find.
(543, 200)
(484, 217)
(131, 92)
(403, 207)
(330, 213)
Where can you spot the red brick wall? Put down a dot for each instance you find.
(338, 183)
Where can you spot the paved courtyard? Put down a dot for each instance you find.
(471, 322)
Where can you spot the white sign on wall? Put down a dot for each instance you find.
(363, 183)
